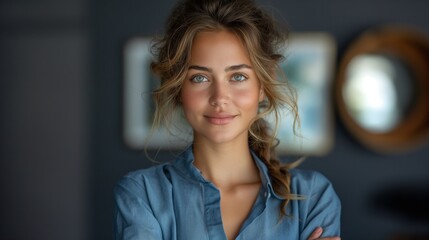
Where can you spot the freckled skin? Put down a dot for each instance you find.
(220, 108)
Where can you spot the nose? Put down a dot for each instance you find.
(219, 93)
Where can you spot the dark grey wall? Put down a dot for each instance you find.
(44, 120)
(60, 130)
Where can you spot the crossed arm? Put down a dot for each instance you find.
(318, 232)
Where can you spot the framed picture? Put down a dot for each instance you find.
(309, 67)
(138, 104)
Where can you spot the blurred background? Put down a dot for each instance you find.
(62, 150)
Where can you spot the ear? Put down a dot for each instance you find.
(261, 94)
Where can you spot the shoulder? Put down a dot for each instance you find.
(307, 182)
(156, 180)
(304, 176)
(319, 204)
(136, 195)
(144, 179)
(145, 174)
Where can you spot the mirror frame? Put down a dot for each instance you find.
(412, 48)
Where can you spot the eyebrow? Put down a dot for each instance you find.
(230, 68)
(201, 68)
(237, 67)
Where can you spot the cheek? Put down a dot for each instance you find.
(247, 99)
(191, 100)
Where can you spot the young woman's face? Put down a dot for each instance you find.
(221, 93)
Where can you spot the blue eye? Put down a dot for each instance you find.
(239, 78)
(199, 79)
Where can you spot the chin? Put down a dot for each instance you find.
(225, 137)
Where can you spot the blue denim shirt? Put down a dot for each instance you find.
(173, 201)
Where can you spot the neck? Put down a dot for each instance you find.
(226, 165)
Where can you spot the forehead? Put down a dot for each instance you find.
(217, 47)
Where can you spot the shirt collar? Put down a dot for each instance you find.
(184, 163)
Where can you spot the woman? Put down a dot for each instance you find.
(218, 62)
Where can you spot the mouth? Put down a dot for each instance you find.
(221, 119)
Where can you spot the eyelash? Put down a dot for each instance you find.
(244, 78)
(193, 77)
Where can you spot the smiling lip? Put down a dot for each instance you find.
(220, 119)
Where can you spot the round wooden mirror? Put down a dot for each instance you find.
(382, 88)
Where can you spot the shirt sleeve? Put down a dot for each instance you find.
(133, 218)
(322, 207)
